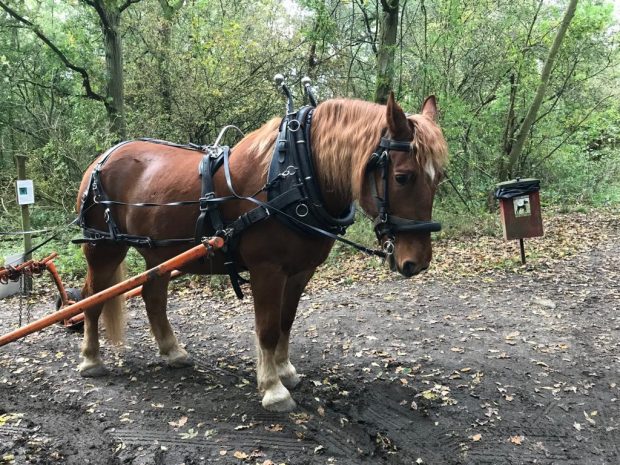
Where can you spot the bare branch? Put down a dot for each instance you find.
(572, 133)
(127, 4)
(90, 93)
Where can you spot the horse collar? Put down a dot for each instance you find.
(292, 173)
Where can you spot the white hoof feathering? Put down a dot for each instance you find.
(92, 368)
(178, 358)
(278, 399)
(288, 375)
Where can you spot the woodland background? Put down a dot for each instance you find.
(78, 75)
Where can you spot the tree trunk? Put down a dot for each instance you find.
(526, 126)
(163, 57)
(387, 49)
(115, 103)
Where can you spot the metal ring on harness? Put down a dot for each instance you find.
(302, 210)
(293, 125)
(388, 247)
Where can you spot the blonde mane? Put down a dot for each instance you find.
(344, 133)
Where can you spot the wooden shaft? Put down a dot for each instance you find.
(120, 288)
(128, 295)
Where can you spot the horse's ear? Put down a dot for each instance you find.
(396, 118)
(429, 107)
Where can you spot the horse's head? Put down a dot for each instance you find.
(400, 185)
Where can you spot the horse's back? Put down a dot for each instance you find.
(147, 172)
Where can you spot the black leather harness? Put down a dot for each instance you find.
(294, 197)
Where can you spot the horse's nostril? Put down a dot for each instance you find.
(409, 269)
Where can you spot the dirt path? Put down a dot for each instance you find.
(498, 368)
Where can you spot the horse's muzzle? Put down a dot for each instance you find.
(409, 268)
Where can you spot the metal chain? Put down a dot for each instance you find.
(21, 297)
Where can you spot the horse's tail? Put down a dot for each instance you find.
(114, 310)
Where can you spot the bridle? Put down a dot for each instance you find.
(386, 224)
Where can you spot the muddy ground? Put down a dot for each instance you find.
(500, 367)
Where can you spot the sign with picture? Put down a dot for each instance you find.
(25, 192)
(522, 205)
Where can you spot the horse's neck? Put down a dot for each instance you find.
(342, 141)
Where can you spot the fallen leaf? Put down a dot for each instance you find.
(179, 423)
(191, 434)
(274, 428)
(590, 419)
(548, 303)
(517, 439)
(240, 455)
(248, 426)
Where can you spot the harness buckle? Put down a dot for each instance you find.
(204, 201)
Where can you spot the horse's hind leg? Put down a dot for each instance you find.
(104, 269)
(295, 286)
(155, 296)
(268, 285)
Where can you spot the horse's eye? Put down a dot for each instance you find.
(402, 178)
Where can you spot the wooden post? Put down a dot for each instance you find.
(21, 174)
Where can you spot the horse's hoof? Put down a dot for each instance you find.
(179, 358)
(289, 377)
(90, 369)
(291, 382)
(181, 362)
(278, 399)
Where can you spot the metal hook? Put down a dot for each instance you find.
(223, 132)
(307, 84)
(278, 79)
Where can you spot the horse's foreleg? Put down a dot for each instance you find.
(155, 296)
(295, 286)
(103, 262)
(268, 290)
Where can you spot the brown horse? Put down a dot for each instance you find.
(280, 260)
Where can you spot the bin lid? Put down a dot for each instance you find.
(516, 187)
